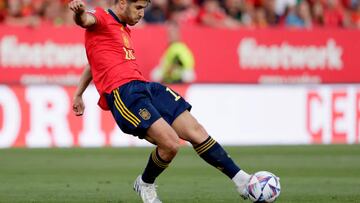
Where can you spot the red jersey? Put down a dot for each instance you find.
(110, 54)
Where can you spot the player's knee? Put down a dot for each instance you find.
(170, 150)
(199, 129)
(198, 134)
(173, 148)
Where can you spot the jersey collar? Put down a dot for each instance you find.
(116, 18)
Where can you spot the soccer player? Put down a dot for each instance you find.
(144, 109)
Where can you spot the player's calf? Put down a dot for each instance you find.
(215, 155)
(155, 166)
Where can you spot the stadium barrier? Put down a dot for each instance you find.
(40, 116)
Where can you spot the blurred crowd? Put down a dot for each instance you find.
(213, 13)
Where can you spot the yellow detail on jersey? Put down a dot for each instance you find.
(125, 39)
(125, 112)
(129, 55)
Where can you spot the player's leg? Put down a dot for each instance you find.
(188, 128)
(165, 138)
(174, 109)
(135, 114)
(161, 134)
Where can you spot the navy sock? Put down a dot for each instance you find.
(154, 167)
(215, 155)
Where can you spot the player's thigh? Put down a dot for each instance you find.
(189, 129)
(162, 134)
(168, 103)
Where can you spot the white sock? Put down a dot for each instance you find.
(241, 178)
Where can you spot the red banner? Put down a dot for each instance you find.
(56, 54)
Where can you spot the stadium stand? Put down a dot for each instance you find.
(215, 13)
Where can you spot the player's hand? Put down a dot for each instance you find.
(78, 106)
(77, 6)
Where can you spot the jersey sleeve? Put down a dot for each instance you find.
(99, 15)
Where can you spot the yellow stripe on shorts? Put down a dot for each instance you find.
(124, 111)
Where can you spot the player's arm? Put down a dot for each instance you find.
(81, 18)
(78, 103)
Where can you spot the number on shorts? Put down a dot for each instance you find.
(177, 97)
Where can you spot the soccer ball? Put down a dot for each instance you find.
(263, 187)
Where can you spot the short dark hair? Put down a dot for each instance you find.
(117, 1)
(137, 0)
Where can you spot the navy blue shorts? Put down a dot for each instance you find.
(137, 105)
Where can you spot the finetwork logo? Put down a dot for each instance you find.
(14, 54)
(253, 55)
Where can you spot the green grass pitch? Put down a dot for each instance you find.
(308, 174)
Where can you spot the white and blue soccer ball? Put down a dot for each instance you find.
(263, 187)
